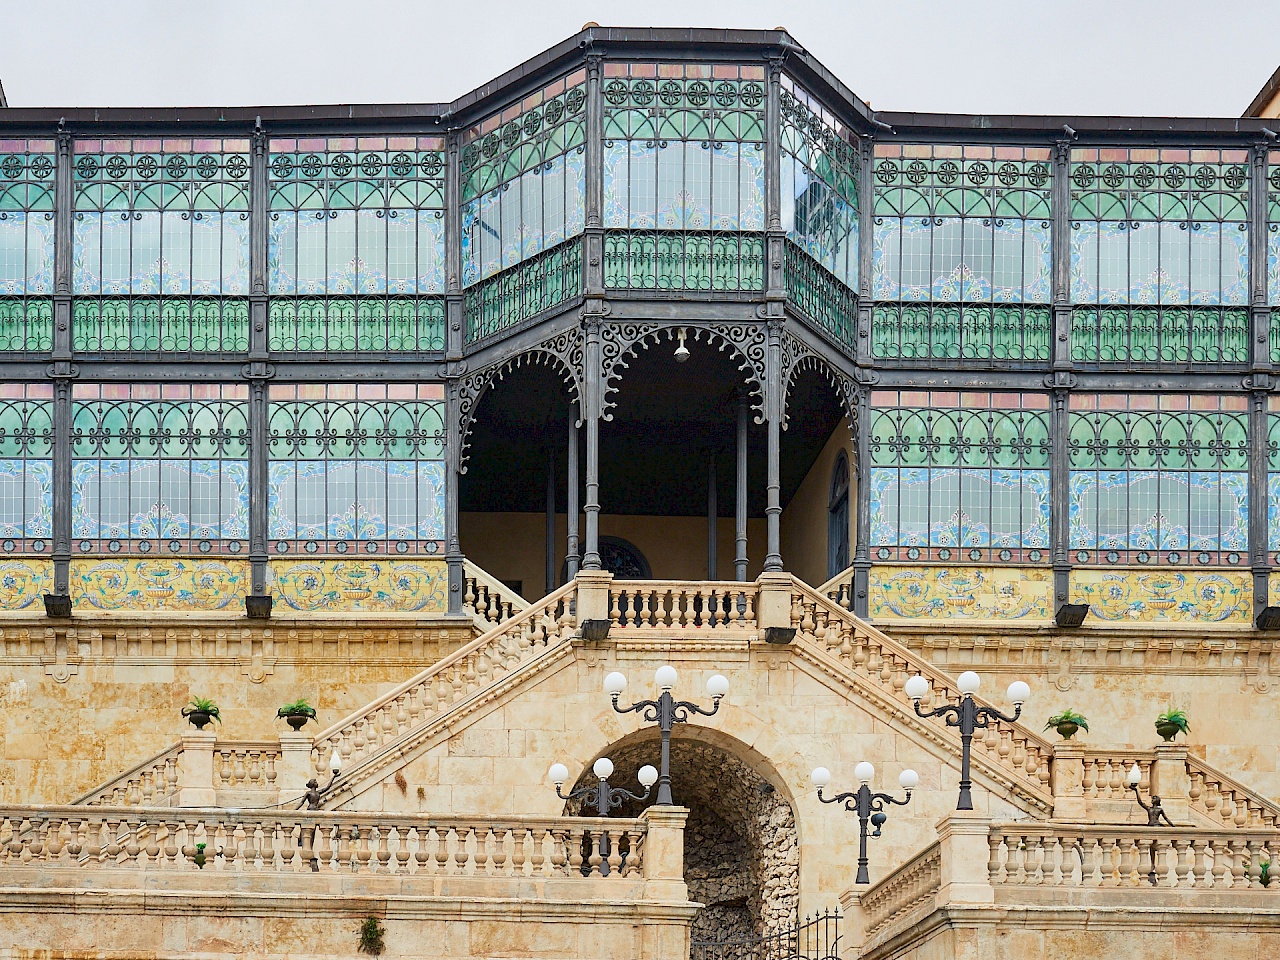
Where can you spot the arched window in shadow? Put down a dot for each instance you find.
(838, 517)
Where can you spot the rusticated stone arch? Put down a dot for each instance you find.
(742, 853)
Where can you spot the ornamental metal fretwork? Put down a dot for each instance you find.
(521, 293)
(355, 253)
(524, 179)
(960, 477)
(26, 468)
(820, 173)
(1159, 256)
(26, 246)
(356, 470)
(683, 176)
(1159, 479)
(159, 469)
(962, 262)
(160, 261)
(816, 293)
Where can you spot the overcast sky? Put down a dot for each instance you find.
(1115, 57)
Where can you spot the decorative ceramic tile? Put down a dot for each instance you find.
(969, 593)
(383, 586)
(22, 582)
(1164, 595)
(162, 583)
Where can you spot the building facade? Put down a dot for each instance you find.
(664, 329)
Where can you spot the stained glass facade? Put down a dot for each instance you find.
(962, 262)
(160, 260)
(1159, 479)
(356, 252)
(356, 469)
(26, 468)
(684, 176)
(960, 476)
(26, 245)
(1159, 255)
(159, 468)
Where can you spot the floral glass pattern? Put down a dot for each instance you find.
(819, 171)
(1159, 255)
(159, 468)
(1273, 245)
(959, 477)
(962, 257)
(683, 176)
(26, 467)
(160, 241)
(356, 469)
(26, 245)
(1273, 476)
(523, 179)
(1159, 479)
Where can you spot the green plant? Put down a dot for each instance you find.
(371, 932)
(1174, 718)
(299, 708)
(202, 705)
(199, 859)
(1266, 877)
(1067, 722)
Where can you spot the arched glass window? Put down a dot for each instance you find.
(838, 518)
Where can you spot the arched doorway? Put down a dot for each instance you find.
(741, 848)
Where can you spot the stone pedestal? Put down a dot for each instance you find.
(964, 853)
(854, 921)
(664, 854)
(773, 603)
(295, 765)
(1171, 782)
(1068, 782)
(195, 770)
(593, 595)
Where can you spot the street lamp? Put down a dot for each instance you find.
(602, 796)
(666, 711)
(968, 716)
(867, 805)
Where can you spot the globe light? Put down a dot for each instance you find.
(647, 775)
(821, 776)
(1135, 775)
(908, 780)
(717, 686)
(558, 773)
(1018, 693)
(665, 677)
(335, 763)
(864, 772)
(615, 683)
(603, 768)
(968, 682)
(917, 687)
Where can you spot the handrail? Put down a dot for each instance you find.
(489, 600)
(1219, 796)
(839, 588)
(1009, 751)
(274, 841)
(138, 780)
(904, 890)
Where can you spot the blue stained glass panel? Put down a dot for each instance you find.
(1146, 510)
(356, 500)
(26, 498)
(26, 253)
(145, 499)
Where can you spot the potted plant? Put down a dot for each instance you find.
(1171, 723)
(297, 713)
(200, 711)
(1067, 723)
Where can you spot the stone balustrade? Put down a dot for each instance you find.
(488, 600)
(152, 783)
(272, 841)
(681, 604)
(411, 707)
(903, 892)
(1220, 797)
(1006, 751)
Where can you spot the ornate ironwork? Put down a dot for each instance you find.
(161, 246)
(960, 477)
(508, 299)
(684, 260)
(822, 298)
(357, 326)
(159, 469)
(814, 938)
(26, 468)
(1135, 335)
(357, 469)
(26, 246)
(1159, 479)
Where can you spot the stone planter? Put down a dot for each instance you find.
(198, 718)
(1168, 730)
(1067, 729)
(296, 720)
